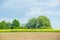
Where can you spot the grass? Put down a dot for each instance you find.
(29, 30)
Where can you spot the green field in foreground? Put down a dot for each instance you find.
(29, 30)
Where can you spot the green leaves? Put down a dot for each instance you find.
(41, 22)
(4, 25)
(15, 24)
(7, 25)
(44, 22)
(31, 23)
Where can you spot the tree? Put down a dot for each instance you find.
(43, 22)
(4, 25)
(15, 24)
(31, 23)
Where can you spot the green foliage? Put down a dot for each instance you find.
(23, 28)
(31, 23)
(15, 24)
(42, 22)
(4, 25)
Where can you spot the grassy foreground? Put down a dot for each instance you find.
(29, 30)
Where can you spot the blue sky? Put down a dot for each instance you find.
(23, 10)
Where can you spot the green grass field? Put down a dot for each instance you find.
(29, 30)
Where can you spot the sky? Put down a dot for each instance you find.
(23, 10)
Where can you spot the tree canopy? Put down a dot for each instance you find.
(41, 22)
(15, 24)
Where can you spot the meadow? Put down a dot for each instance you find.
(29, 30)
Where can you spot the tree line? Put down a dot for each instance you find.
(41, 22)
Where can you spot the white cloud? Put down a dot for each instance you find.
(58, 11)
(34, 12)
(38, 11)
(11, 4)
(19, 3)
(55, 3)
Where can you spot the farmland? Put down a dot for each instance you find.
(29, 36)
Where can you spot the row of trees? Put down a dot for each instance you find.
(7, 25)
(42, 22)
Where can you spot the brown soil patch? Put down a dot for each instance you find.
(30, 36)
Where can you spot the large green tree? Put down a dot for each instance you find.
(43, 22)
(15, 24)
